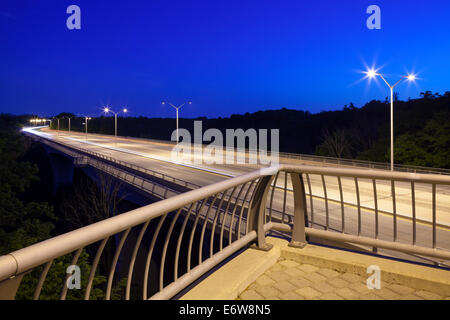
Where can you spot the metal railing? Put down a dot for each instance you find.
(75, 152)
(160, 249)
(364, 164)
(343, 162)
(402, 212)
(206, 208)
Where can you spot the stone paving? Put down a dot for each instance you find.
(290, 280)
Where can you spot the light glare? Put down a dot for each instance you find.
(371, 73)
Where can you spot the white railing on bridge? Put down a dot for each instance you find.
(237, 212)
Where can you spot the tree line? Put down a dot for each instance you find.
(29, 213)
(421, 129)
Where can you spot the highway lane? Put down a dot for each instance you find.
(157, 156)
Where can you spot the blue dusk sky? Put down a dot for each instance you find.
(225, 56)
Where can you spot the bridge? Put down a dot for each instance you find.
(206, 214)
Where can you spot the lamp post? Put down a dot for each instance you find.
(58, 124)
(37, 121)
(107, 110)
(411, 77)
(69, 121)
(86, 118)
(177, 108)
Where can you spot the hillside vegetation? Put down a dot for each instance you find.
(422, 129)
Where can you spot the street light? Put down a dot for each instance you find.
(69, 121)
(107, 110)
(86, 118)
(177, 108)
(35, 121)
(58, 124)
(411, 77)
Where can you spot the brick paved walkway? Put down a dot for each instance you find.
(289, 280)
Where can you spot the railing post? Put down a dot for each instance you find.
(257, 210)
(300, 212)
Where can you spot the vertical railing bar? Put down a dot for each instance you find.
(74, 262)
(394, 209)
(311, 199)
(94, 268)
(413, 200)
(180, 237)
(341, 194)
(205, 222)
(133, 259)
(375, 200)
(112, 270)
(43, 276)
(242, 208)
(216, 218)
(194, 228)
(149, 256)
(164, 252)
(358, 202)
(224, 218)
(327, 214)
(284, 197)
(230, 234)
(271, 195)
(434, 215)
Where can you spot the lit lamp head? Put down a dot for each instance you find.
(371, 73)
(106, 109)
(411, 77)
(125, 110)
